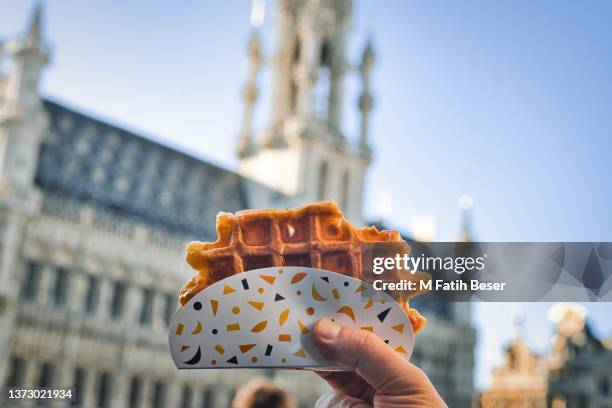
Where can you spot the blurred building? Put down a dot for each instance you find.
(520, 381)
(581, 365)
(94, 219)
(574, 373)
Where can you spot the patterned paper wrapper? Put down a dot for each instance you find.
(263, 318)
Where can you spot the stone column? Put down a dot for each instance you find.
(121, 389)
(31, 373)
(76, 295)
(146, 392)
(89, 391)
(173, 393)
(198, 396)
(9, 284)
(137, 299)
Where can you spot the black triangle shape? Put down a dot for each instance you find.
(325, 278)
(383, 315)
(233, 360)
(387, 341)
(278, 297)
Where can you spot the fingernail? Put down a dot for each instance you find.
(327, 329)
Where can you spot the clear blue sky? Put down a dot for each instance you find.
(508, 101)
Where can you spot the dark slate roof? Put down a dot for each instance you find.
(89, 161)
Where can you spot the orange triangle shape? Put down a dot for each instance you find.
(246, 347)
(256, 305)
(347, 310)
(303, 328)
(298, 277)
(400, 349)
(399, 328)
(359, 288)
(214, 304)
(268, 278)
(300, 353)
(228, 289)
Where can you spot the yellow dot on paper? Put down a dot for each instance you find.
(235, 310)
(254, 359)
(260, 290)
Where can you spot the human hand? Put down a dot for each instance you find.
(378, 376)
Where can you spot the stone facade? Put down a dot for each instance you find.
(94, 219)
(574, 373)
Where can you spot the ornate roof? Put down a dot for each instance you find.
(92, 162)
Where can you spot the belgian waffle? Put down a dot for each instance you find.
(316, 235)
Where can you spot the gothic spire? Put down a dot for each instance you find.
(466, 202)
(246, 144)
(365, 99)
(34, 33)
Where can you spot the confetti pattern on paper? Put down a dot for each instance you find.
(263, 318)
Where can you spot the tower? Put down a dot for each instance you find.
(23, 123)
(303, 151)
(22, 118)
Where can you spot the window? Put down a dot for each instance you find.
(159, 395)
(169, 308)
(146, 311)
(80, 379)
(322, 88)
(187, 396)
(59, 289)
(92, 295)
(118, 299)
(16, 374)
(345, 190)
(604, 386)
(208, 399)
(45, 378)
(103, 390)
(321, 194)
(135, 391)
(294, 86)
(31, 281)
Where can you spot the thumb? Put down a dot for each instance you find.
(364, 352)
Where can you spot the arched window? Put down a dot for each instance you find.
(344, 200)
(293, 86)
(323, 170)
(323, 86)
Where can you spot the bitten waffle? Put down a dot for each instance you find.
(316, 235)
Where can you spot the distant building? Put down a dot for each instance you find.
(574, 373)
(581, 366)
(94, 219)
(521, 380)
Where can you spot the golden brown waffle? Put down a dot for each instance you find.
(316, 235)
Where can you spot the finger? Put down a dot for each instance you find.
(348, 383)
(334, 400)
(364, 352)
